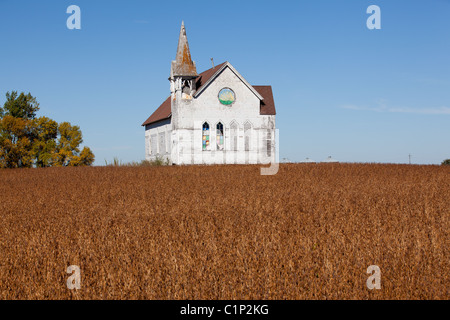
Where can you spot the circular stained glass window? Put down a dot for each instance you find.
(226, 96)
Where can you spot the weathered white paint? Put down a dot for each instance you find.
(184, 129)
(154, 130)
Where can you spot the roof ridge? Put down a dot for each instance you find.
(217, 66)
(164, 111)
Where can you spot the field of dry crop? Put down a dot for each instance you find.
(225, 232)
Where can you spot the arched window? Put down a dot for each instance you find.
(219, 136)
(247, 135)
(154, 144)
(162, 142)
(205, 136)
(234, 136)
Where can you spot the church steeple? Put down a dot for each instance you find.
(183, 66)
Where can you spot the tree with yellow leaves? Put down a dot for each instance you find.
(67, 148)
(27, 141)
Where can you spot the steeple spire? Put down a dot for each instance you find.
(183, 65)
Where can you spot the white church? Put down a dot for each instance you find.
(215, 117)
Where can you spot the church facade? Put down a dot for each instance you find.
(215, 117)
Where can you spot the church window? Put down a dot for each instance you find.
(205, 137)
(269, 143)
(153, 144)
(247, 134)
(162, 143)
(219, 136)
(234, 136)
(226, 96)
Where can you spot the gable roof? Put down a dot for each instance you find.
(219, 71)
(204, 77)
(163, 112)
(267, 106)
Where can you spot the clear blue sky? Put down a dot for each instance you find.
(340, 89)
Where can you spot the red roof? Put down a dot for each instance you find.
(267, 106)
(206, 75)
(164, 110)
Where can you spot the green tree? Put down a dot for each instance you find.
(44, 144)
(16, 130)
(26, 140)
(22, 106)
(446, 162)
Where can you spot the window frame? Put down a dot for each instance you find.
(234, 133)
(206, 132)
(247, 136)
(154, 144)
(162, 143)
(221, 135)
(269, 143)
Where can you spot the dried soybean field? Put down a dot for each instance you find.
(226, 232)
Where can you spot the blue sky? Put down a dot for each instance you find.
(340, 89)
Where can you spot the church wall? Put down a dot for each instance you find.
(190, 149)
(183, 132)
(206, 107)
(154, 130)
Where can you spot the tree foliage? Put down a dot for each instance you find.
(446, 162)
(27, 141)
(67, 148)
(15, 142)
(22, 106)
